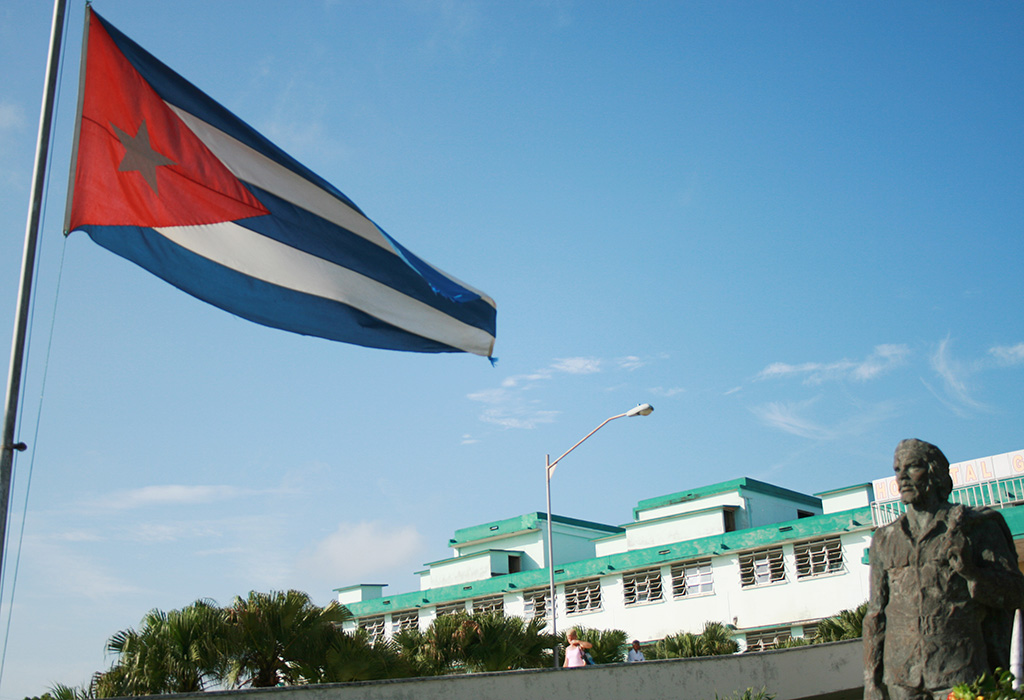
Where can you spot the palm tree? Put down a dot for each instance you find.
(442, 644)
(607, 646)
(175, 652)
(683, 645)
(714, 640)
(67, 692)
(272, 636)
(497, 642)
(356, 657)
(846, 624)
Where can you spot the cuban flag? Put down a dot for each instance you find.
(173, 181)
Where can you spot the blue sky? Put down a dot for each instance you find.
(794, 228)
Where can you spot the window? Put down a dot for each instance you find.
(818, 557)
(583, 596)
(449, 608)
(642, 586)
(762, 566)
(494, 603)
(729, 519)
(767, 639)
(536, 603)
(374, 626)
(401, 621)
(692, 578)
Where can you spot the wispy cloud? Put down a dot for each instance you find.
(1008, 355)
(955, 376)
(13, 127)
(882, 359)
(355, 551)
(631, 362)
(577, 365)
(788, 418)
(12, 117)
(515, 402)
(170, 495)
(667, 392)
(57, 561)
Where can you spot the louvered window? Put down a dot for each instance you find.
(494, 603)
(642, 586)
(374, 626)
(692, 578)
(818, 557)
(583, 596)
(767, 639)
(449, 608)
(535, 603)
(408, 620)
(762, 566)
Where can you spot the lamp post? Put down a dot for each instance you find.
(643, 409)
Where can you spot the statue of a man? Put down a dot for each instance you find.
(944, 587)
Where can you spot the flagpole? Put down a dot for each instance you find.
(7, 445)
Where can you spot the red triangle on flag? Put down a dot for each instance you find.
(138, 163)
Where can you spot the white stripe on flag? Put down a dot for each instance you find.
(263, 258)
(255, 168)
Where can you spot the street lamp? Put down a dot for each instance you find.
(643, 409)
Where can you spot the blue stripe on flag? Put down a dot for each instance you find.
(254, 299)
(309, 233)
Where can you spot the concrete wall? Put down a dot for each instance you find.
(828, 671)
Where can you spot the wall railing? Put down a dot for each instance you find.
(1002, 493)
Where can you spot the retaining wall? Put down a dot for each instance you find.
(828, 671)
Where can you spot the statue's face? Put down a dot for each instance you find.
(916, 485)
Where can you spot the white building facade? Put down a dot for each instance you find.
(768, 562)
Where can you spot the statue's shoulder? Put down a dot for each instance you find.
(974, 516)
(888, 534)
(981, 520)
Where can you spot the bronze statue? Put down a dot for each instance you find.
(944, 587)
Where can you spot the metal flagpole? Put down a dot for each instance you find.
(7, 445)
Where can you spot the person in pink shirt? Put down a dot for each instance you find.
(574, 652)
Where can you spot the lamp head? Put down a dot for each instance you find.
(644, 409)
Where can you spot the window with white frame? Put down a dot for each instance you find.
(407, 620)
(640, 587)
(449, 608)
(374, 626)
(535, 603)
(583, 596)
(762, 566)
(818, 557)
(690, 578)
(494, 603)
(763, 640)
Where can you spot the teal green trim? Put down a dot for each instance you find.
(700, 548)
(527, 522)
(738, 485)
